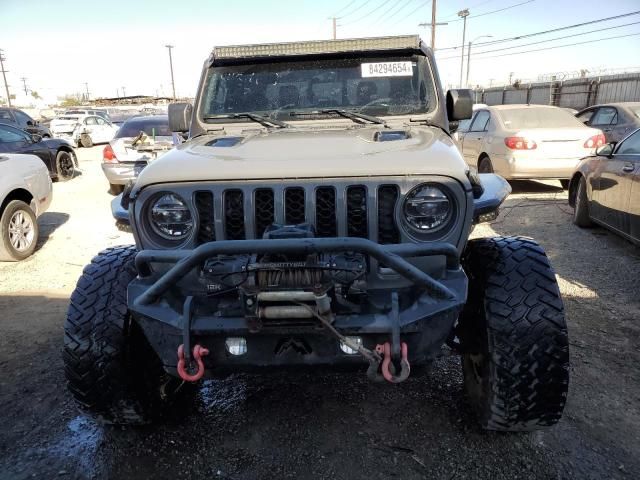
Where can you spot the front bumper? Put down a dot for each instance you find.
(156, 303)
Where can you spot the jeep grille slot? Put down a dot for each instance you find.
(357, 211)
(264, 210)
(294, 206)
(387, 228)
(204, 205)
(234, 215)
(326, 212)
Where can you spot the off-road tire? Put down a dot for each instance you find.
(86, 141)
(111, 369)
(115, 189)
(513, 336)
(7, 251)
(485, 165)
(581, 208)
(65, 166)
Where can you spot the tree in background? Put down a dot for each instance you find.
(70, 101)
(35, 95)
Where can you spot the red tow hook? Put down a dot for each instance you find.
(405, 368)
(198, 352)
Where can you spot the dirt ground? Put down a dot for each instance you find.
(323, 425)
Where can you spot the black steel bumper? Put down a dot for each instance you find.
(424, 325)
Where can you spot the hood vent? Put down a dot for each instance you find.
(224, 142)
(390, 135)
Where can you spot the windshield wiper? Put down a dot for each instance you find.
(266, 121)
(355, 116)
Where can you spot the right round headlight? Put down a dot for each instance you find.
(170, 217)
(427, 208)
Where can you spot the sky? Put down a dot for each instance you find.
(120, 44)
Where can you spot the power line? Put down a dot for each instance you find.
(363, 4)
(549, 48)
(470, 7)
(402, 7)
(344, 8)
(495, 11)
(520, 37)
(424, 4)
(367, 14)
(393, 5)
(556, 38)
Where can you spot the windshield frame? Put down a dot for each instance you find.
(207, 119)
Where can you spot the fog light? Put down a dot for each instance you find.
(236, 345)
(353, 341)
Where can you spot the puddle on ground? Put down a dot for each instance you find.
(78, 446)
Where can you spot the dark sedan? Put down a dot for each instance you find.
(605, 188)
(616, 120)
(17, 118)
(58, 155)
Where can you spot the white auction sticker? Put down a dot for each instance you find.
(387, 69)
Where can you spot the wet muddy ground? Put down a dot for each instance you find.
(321, 425)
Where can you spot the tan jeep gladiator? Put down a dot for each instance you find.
(318, 215)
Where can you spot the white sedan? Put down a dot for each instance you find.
(25, 193)
(83, 130)
(527, 142)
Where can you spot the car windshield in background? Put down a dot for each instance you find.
(157, 127)
(374, 86)
(518, 118)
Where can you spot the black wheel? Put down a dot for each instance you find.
(581, 208)
(115, 189)
(565, 184)
(86, 141)
(18, 231)
(484, 165)
(110, 367)
(513, 336)
(65, 168)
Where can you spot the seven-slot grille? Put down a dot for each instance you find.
(366, 211)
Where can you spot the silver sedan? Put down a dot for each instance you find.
(527, 142)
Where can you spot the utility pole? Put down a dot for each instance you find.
(86, 86)
(433, 25)
(463, 14)
(124, 94)
(4, 76)
(173, 85)
(24, 84)
(469, 54)
(510, 77)
(334, 23)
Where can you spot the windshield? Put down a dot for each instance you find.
(157, 127)
(375, 86)
(518, 118)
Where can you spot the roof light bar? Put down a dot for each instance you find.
(403, 42)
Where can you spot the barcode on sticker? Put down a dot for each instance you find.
(387, 69)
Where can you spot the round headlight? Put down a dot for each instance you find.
(427, 208)
(170, 217)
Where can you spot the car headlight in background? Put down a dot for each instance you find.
(427, 208)
(170, 217)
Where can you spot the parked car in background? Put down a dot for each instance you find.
(527, 142)
(139, 141)
(25, 193)
(57, 155)
(100, 113)
(83, 130)
(605, 189)
(18, 118)
(616, 120)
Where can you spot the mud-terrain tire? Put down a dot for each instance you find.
(581, 208)
(111, 369)
(513, 336)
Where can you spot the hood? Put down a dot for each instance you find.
(300, 153)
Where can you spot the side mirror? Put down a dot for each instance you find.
(36, 138)
(180, 117)
(605, 150)
(459, 104)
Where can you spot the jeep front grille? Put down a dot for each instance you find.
(244, 212)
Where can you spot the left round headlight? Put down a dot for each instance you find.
(170, 217)
(427, 208)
